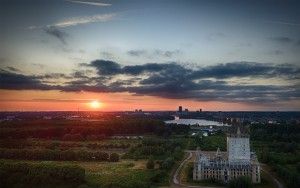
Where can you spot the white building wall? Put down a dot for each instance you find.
(238, 149)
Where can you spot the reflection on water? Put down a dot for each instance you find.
(200, 122)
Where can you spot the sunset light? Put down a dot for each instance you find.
(112, 93)
(95, 104)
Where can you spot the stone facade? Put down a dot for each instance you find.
(225, 166)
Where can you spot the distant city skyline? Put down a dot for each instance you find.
(152, 55)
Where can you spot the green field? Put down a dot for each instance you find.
(128, 172)
(125, 174)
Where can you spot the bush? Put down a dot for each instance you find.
(167, 163)
(38, 175)
(240, 182)
(114, 157)
(158, 176)
(150, 164)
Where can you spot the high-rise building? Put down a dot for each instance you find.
(180, 109)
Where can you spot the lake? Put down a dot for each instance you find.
(200, 122)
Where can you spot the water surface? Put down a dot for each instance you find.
(200, 122)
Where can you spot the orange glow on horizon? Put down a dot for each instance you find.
(95, 104)
(27, 100)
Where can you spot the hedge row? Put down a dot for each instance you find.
(56, 155)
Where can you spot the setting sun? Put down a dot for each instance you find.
(95, 104)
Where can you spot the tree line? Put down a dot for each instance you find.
(56, 155)
(83, 130)
(276, 132)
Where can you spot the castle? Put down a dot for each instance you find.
(225, 166)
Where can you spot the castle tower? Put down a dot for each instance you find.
(238, 148)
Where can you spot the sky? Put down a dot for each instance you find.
(150, 55)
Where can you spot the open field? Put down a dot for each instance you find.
(124, 173)
(107, 158)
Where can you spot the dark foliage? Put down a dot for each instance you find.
(278, 146)
(114, 157)
(39, 175)
(240, 182)
(274, 132)
(82, 130)
(150, 163)
(53, 155)
(292, 178)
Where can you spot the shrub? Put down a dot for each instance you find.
(34, 175)
(167, 163)
(158, 176)
(240, 182)
(114, 157)
(150, 163)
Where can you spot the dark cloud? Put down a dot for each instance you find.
(137, 53)
(54, 76)
(55, 32)
(147, 68)
(105, 67)
(247, 69)
(172, 80)
(14, 81)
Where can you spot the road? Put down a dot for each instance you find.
(176, 176)
(278, 184)
(175, 183)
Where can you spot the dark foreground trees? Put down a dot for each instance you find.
(81, 130)
(278, 146)
(240, 182)
(114, 157)
(291, 178)
(40, 175)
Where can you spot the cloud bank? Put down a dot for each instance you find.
(227, 82)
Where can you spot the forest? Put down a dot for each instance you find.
(278, 146)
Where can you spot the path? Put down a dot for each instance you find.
(175, 183)
(276, 181)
